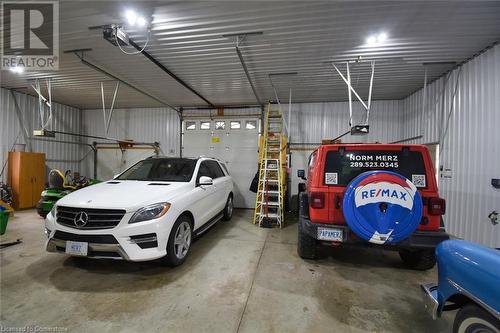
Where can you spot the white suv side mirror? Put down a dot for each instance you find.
(204, 180)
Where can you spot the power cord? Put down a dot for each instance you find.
(137, 52)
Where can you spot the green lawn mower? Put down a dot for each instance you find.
(60, 185)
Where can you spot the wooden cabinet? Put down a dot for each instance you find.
(26, 178)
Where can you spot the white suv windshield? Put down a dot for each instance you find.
(161, 169)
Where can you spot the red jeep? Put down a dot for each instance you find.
(381, 195)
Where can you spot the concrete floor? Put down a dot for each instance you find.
(238, 278)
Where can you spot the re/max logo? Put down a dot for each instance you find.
(387, 193)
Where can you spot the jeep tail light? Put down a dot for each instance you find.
(437, 206)
(317, 200)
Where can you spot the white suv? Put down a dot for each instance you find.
(151, 210)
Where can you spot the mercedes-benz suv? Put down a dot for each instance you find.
(151, 210)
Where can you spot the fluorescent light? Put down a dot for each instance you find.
(131, 17)
(17, 69)
(141, 21)
(376, 39)
(382, 37)
(372, 40)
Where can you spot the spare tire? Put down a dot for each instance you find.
(382, 207)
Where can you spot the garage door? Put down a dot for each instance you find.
(234, 142)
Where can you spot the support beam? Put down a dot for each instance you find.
(94, 145)
(243, 64)
(350, 88)
(289, 113)
(370, 92)
(407, 139)
(181, 136)
(107, 120)
(20, 117)
(424, 93)
(166, 70)
(287, 121)
(274, 90)
(152, 144)
(448, 116)
(349, 92)
(103, 71)
(42, 102)
(225, 107)
(61, 141)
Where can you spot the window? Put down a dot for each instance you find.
(310, 165)
(345, 167)
(225, 168)
(312, 159)
(190, 125)
(204, 171)
(220, 125)
(215, 169)
(251, 124)
(161, 169)
(235, 124)
(205, 125)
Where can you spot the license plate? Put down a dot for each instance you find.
(77, 248)
(336, 235)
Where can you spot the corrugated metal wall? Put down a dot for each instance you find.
(139, 124)
(312, 122)
(187, 113)
(470, 150)
(58, 155)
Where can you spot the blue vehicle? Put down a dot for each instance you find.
(469, 281)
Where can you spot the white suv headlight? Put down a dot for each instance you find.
(150, 212)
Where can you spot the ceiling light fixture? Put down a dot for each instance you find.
(131, 17)
(372, 40)
(382, 37)
(135, 19)
(141, 21)
(376, 39)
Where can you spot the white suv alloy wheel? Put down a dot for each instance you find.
(182, 240)
(230, 207)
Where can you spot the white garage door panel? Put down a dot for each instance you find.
(237, 148)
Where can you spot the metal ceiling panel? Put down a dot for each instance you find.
(302, 37)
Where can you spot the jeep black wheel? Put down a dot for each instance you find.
(473, 319)
(421, 259)
(307, 247)
(228, 209)
(179, 241)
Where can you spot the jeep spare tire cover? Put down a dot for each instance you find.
(382, 207)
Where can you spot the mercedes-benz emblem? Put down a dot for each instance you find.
(81, 219)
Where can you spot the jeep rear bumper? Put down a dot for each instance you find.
(419, 239)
